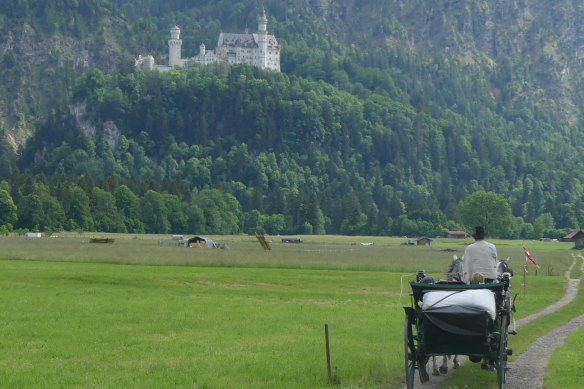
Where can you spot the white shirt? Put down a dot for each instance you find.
(480, 257)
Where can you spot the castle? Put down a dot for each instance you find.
(259, 49)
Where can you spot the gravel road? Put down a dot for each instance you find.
(528, 369)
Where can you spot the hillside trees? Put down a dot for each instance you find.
(221, 211)
(128, 204)
(284, 147)
(76, 204)
(40, 211)
(8, 215)
(105, 214)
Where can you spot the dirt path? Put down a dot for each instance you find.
(527, 370)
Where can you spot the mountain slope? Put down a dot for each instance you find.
(387, 112)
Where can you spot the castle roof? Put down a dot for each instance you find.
(237, 40)
(243, 40)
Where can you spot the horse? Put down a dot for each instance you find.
(456, 270)
(454, 275)
(503, 267)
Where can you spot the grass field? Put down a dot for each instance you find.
(565, 368)
(139, 314)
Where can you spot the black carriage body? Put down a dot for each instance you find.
(455, 330)
(458, 329)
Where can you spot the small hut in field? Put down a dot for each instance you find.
(456, 234)
(577, 237)
(423, 241)
(201, 241)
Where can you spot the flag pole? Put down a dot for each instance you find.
(525, 276)
(532, 259)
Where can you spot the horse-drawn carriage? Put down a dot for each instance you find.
(453, 318)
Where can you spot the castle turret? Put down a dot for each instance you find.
(262, 39)
(263, 23)
(146, 62)
(149, 62)
(174, 48)
(202, 51)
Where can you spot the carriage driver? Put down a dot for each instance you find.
(480, 260)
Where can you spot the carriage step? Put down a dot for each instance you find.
(513, 333)
(509, 351)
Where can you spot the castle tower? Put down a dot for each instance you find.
(174, 48)
(263, 22)
(262, 39)
(202, 51)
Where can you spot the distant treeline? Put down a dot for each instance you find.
(279, 154)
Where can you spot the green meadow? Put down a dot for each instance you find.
(142, 314)
(565, 367)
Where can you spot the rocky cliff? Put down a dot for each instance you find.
(530, 51)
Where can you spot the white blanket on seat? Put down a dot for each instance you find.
(476, 298)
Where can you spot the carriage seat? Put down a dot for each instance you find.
(481, 299)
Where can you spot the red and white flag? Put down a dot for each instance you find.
(528, 255)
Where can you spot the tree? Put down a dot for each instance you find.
(8, 213)
(105, 213)
(78, 210)
(40, 211)
(274, 224)
(355, 220)
(253, 222)
(487, 209)
(221, 211)
(314, 214)
(544, 226)
(196, 219)
(128, 205)
(567, 217)
(155, 213)
(177, 217)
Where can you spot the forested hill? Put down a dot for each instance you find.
(385, 116)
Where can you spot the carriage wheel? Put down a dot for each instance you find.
(501, 363)
(410, 350)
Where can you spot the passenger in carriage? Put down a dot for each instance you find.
(480, 260)
(480, 266)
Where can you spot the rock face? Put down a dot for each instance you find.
(109, 129)
(40, 69)
(541, 40)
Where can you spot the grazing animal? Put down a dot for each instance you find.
(503, 267)
(456, 270)
(454, 274)
(443, 369)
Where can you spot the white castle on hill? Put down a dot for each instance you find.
(259, 49)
